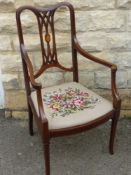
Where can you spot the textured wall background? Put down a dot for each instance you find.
(103, 28)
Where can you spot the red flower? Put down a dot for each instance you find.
(57, 97)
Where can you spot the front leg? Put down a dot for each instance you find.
(113, 131)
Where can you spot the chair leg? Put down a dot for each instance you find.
(112, 134)
(47, 158)
(30, 121)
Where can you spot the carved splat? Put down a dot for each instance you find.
(47, 37)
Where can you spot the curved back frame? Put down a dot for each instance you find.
(45, 20)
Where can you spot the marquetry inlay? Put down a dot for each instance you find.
(47, 37)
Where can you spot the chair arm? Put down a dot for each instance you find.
(91, 57)
(113, 67)
(36, 86)
(30, 68)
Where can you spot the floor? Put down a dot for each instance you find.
(81, 154)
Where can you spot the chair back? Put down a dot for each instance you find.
(45, 20)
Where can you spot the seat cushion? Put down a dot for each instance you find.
(71, 104)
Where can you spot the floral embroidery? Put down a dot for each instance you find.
(69, 101)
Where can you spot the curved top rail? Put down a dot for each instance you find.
(39, 9)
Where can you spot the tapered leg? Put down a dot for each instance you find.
(112, 135)
(47, 158)
(30, 121)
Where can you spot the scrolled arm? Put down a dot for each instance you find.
(113, 67)
(30, 68)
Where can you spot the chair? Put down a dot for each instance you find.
(68, 108)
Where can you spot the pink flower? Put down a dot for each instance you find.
(78, 102)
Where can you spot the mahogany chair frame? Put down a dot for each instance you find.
(45, 17)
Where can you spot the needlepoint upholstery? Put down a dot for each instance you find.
(71, 104)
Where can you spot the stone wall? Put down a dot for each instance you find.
(103, 28)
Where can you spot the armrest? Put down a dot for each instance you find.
(30, 67)
(35, 85)
(91, 57)
(113, 67)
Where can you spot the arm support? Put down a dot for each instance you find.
(30, 68)
(35, 85)
(113, 67)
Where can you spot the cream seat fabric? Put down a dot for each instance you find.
(71, 104)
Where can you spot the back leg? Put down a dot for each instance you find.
(30, 113)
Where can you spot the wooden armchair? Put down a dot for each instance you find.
(68, 108)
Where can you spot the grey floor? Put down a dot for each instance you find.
(82, 154)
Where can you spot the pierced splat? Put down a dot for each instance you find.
(47, 37)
